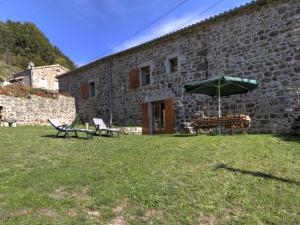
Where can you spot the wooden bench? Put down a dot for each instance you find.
(231, 122)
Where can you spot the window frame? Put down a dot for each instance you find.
(171, 60)
(168, 63)
(148, 79)
(92, 84)
(149, 64)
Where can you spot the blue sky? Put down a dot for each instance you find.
(86, 30)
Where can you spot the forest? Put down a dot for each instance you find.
(21, 43)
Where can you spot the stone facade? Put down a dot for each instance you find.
(43, 77)
(259, 41)
(37, 110)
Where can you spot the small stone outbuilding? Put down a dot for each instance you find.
(44, 77)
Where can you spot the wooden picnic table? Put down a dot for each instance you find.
(230, 121)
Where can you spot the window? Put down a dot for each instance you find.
(173, 62)
(91, 89)
(145, 71)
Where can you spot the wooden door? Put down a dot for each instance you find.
(169, 117)
(162, 114)
(145, 119)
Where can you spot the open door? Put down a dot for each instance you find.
(162, 117)
(159, 117)
(145, 119)
(169, 116)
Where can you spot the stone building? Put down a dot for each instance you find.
(43, 77)
(144, 85)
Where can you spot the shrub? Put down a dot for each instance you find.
(19, 90)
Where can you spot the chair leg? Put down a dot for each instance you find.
(243, 129)
(57, 135)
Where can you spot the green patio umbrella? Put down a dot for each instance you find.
(222, 86)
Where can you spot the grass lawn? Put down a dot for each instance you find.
(251, 179)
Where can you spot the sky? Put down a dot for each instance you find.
(86, 30)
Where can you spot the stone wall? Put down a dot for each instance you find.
(260, 41)
(37, 110)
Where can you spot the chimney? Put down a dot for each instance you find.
(30, 65)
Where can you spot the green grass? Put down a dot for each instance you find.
(148, 179)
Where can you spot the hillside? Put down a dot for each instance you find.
(7, 71)
(21, 43)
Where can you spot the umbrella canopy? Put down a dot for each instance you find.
(222, 86)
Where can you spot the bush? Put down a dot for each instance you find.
(2, 79)
(19, 90)
(78, 120)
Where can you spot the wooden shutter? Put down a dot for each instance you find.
(145, 119)
(169, 110)
(134, 78)
(85, 90)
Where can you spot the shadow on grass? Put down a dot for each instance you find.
(288, 138)
(62, 137)
(183, 135)
(256, 174)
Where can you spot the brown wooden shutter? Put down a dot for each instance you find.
(145, 119)
(134, 78)
(85, 90)
(169, 110)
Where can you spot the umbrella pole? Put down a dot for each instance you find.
(219, 95)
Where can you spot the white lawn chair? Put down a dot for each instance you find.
(100, 126)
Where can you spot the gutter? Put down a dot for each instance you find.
(109, 73)
(30, 77)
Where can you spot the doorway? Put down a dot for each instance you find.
(1, 113)
(158, 117)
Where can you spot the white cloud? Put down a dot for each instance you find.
(160, 30)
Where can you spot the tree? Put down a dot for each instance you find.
(21, 43)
